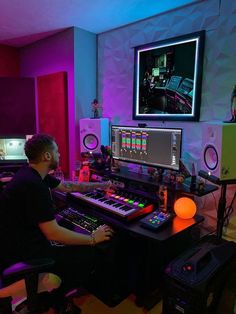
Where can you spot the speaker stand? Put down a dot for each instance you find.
(222, 201)
(221, 211)
(222, 207)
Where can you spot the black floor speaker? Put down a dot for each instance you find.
(195, 281)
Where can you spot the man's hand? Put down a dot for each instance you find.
(54, 232)
(102, 233)
(106, 185)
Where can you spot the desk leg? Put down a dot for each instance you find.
(148, 290)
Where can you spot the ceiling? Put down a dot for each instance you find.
(25, 21)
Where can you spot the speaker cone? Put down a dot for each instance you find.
(90, 141)
(211, 157)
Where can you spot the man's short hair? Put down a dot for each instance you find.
(37, 145)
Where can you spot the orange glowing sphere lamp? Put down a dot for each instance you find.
(185, 207)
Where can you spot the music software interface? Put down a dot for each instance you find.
(156, 147)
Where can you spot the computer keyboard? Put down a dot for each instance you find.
(77, 218)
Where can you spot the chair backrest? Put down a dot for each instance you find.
(46, 282)
(32, 282)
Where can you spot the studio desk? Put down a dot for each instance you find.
(136, 257)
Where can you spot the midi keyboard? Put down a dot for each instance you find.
(123, 204)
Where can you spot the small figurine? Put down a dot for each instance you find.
(95, 108)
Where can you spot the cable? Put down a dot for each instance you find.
(228, 211)
(214, 197)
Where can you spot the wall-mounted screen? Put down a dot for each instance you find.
(168, 78)
(149, 146)
(12, 149)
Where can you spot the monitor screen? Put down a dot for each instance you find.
(12, 149)
(156, 147)
(167, 78)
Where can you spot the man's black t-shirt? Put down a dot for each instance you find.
(25, 202)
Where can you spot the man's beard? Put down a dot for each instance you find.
(53, 165)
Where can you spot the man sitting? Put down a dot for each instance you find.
(27, 218)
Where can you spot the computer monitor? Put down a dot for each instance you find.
(12, 149)
(149, 146)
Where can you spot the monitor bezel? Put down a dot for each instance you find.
(147, 164)
(199, 37)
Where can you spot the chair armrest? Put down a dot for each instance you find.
(27, 267)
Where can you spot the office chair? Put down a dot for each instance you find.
(29, 278)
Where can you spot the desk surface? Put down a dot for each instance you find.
(167, 231)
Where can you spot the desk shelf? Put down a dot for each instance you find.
(153, 184)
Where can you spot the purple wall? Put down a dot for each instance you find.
(85, 67)
(51, 55)
(72, 51)
(17, 103)
(17, 95)
(9, 61)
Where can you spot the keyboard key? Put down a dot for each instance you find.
(125, 208)
(83, 221)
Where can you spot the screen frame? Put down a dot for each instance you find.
(147, 164)
(13, 161)
(199, 37)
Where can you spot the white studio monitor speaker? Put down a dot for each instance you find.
(219, 150)
(93, 134)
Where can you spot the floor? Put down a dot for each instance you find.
(91, 305)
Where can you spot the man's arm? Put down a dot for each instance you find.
(54, 232)
(68, 186)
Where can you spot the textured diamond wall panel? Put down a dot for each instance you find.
(116, 63)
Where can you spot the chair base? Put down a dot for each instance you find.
(5, 306)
